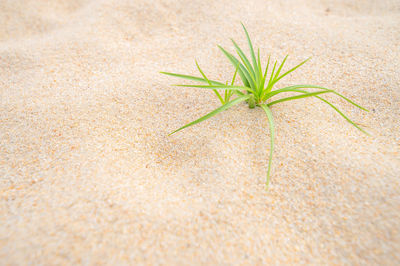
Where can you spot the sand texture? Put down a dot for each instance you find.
(89, 176)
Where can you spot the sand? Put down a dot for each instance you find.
(89, 176)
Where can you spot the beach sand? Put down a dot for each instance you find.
(89, 176)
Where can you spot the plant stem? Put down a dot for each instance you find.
(252, 102)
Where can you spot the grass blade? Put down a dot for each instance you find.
(309, 94)
(242, 69)
(291, 88)
(201, 72)
(272, 135)
(218, 87)
(259, 65)
(347, 100)
(271, 78)
(296, 89)
(192, 78)
(230, 92)
(260, 83)
(338, 111)
(343, 115)
(234, 75)
(216, 111)
(272, 93)
(205, 77)
(265, 73)
(280, 67)
(243, 57)
(289, 71)
(236, 62)
(253, 56)
(250, 71)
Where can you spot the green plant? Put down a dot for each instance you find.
(257, 89)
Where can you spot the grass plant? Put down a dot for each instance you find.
(257, 89)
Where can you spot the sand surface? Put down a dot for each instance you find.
(89, 176)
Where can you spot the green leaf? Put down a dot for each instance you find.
(250, 71)
(265, 73)
(234, 75)
(291, 88)
(216, 111)
(349, 101)
(209, 82)
(271, 78)
(309, 94)
(253, 56)
(202, 73)
(244, 74)
(343, 115)
(192, 78)
(272, 135)
(259, 66)
(289, 71)
(272, 93)
(243, 57)
(260, 85)
(236, 62)
(280, 67)
(230, 92)
(220, 87)
(337, 110)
